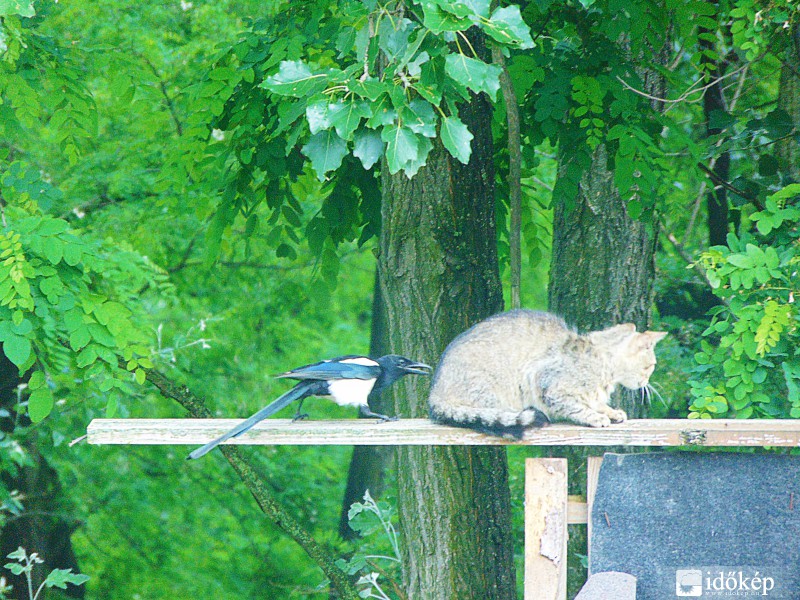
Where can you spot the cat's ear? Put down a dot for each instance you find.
(613, 336)
(653, 337)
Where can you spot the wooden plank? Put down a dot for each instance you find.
(545, 529)
(416, 432)
(577, 510)
(593, 464)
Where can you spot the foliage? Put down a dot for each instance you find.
(749, 364)
(367, 518)
(184, 186)
(24, 563)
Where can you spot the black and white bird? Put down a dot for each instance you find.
(348, 380)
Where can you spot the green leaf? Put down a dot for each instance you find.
(23, 8)
(402, 147)
(368, 147)
(326, 151)
(15, 568)
(475, 74)
(111, 406)
(51, 226)
(422, 120)
(741, 260)
(37, 380)
(18, 554)
(111, 312)
(23, 327)
(295, 78)
(468, 8)
(317, 117)
(79, 338)
(17, 348)
(456, 138)
(53, 249)
(411, 167)
(140, 376)
(439, 21)
(791, 190)
(61, 577)
(346, 116)
(86, 357)
(507, 27)
(72, 254)
(40, 404)
(383, 113)
(369, 88)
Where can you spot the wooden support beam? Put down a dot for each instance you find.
(546, 529)
(421, 432)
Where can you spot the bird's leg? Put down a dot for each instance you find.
(298, 416)
(365, 411)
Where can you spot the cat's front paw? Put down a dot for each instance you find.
(617, 416)
(597, 420)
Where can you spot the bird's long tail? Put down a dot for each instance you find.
(301, 390)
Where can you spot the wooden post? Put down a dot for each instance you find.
(593, 464)
(545, 529)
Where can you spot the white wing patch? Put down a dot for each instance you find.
(350, 392)
(360, 360)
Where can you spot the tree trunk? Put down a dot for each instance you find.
(41, 527)
(789, 100)
(368, 463)
(714, 101)
(601, 273)
(603, 266)
(439, 275)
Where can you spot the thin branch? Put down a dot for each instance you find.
(3, 211)
(185, 258)
(702, 192)
(514, 175)
(691, 90)
(196, 407)
(167, 99)
(728, 186)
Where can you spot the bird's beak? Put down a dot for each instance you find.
(418, 368)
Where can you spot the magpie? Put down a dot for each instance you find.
(347, 379)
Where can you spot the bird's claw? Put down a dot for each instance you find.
(299, 417)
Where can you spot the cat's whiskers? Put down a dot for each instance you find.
(652, 389)
(644, 392)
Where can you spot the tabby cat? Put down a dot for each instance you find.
(512, 369)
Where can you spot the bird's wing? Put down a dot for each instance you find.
(343, 367)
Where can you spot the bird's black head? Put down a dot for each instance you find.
(403, 364)
(395, 366)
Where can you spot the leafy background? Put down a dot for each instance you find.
(182, 187)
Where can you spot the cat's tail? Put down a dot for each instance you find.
(491, 421)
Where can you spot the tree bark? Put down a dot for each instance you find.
(439, 275)
(42, 526)
(717, 197)
(368, 463)
(788, 150)
(603, 267)
(602, 273)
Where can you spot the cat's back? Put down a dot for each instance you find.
(505, 340)
(519, 326)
